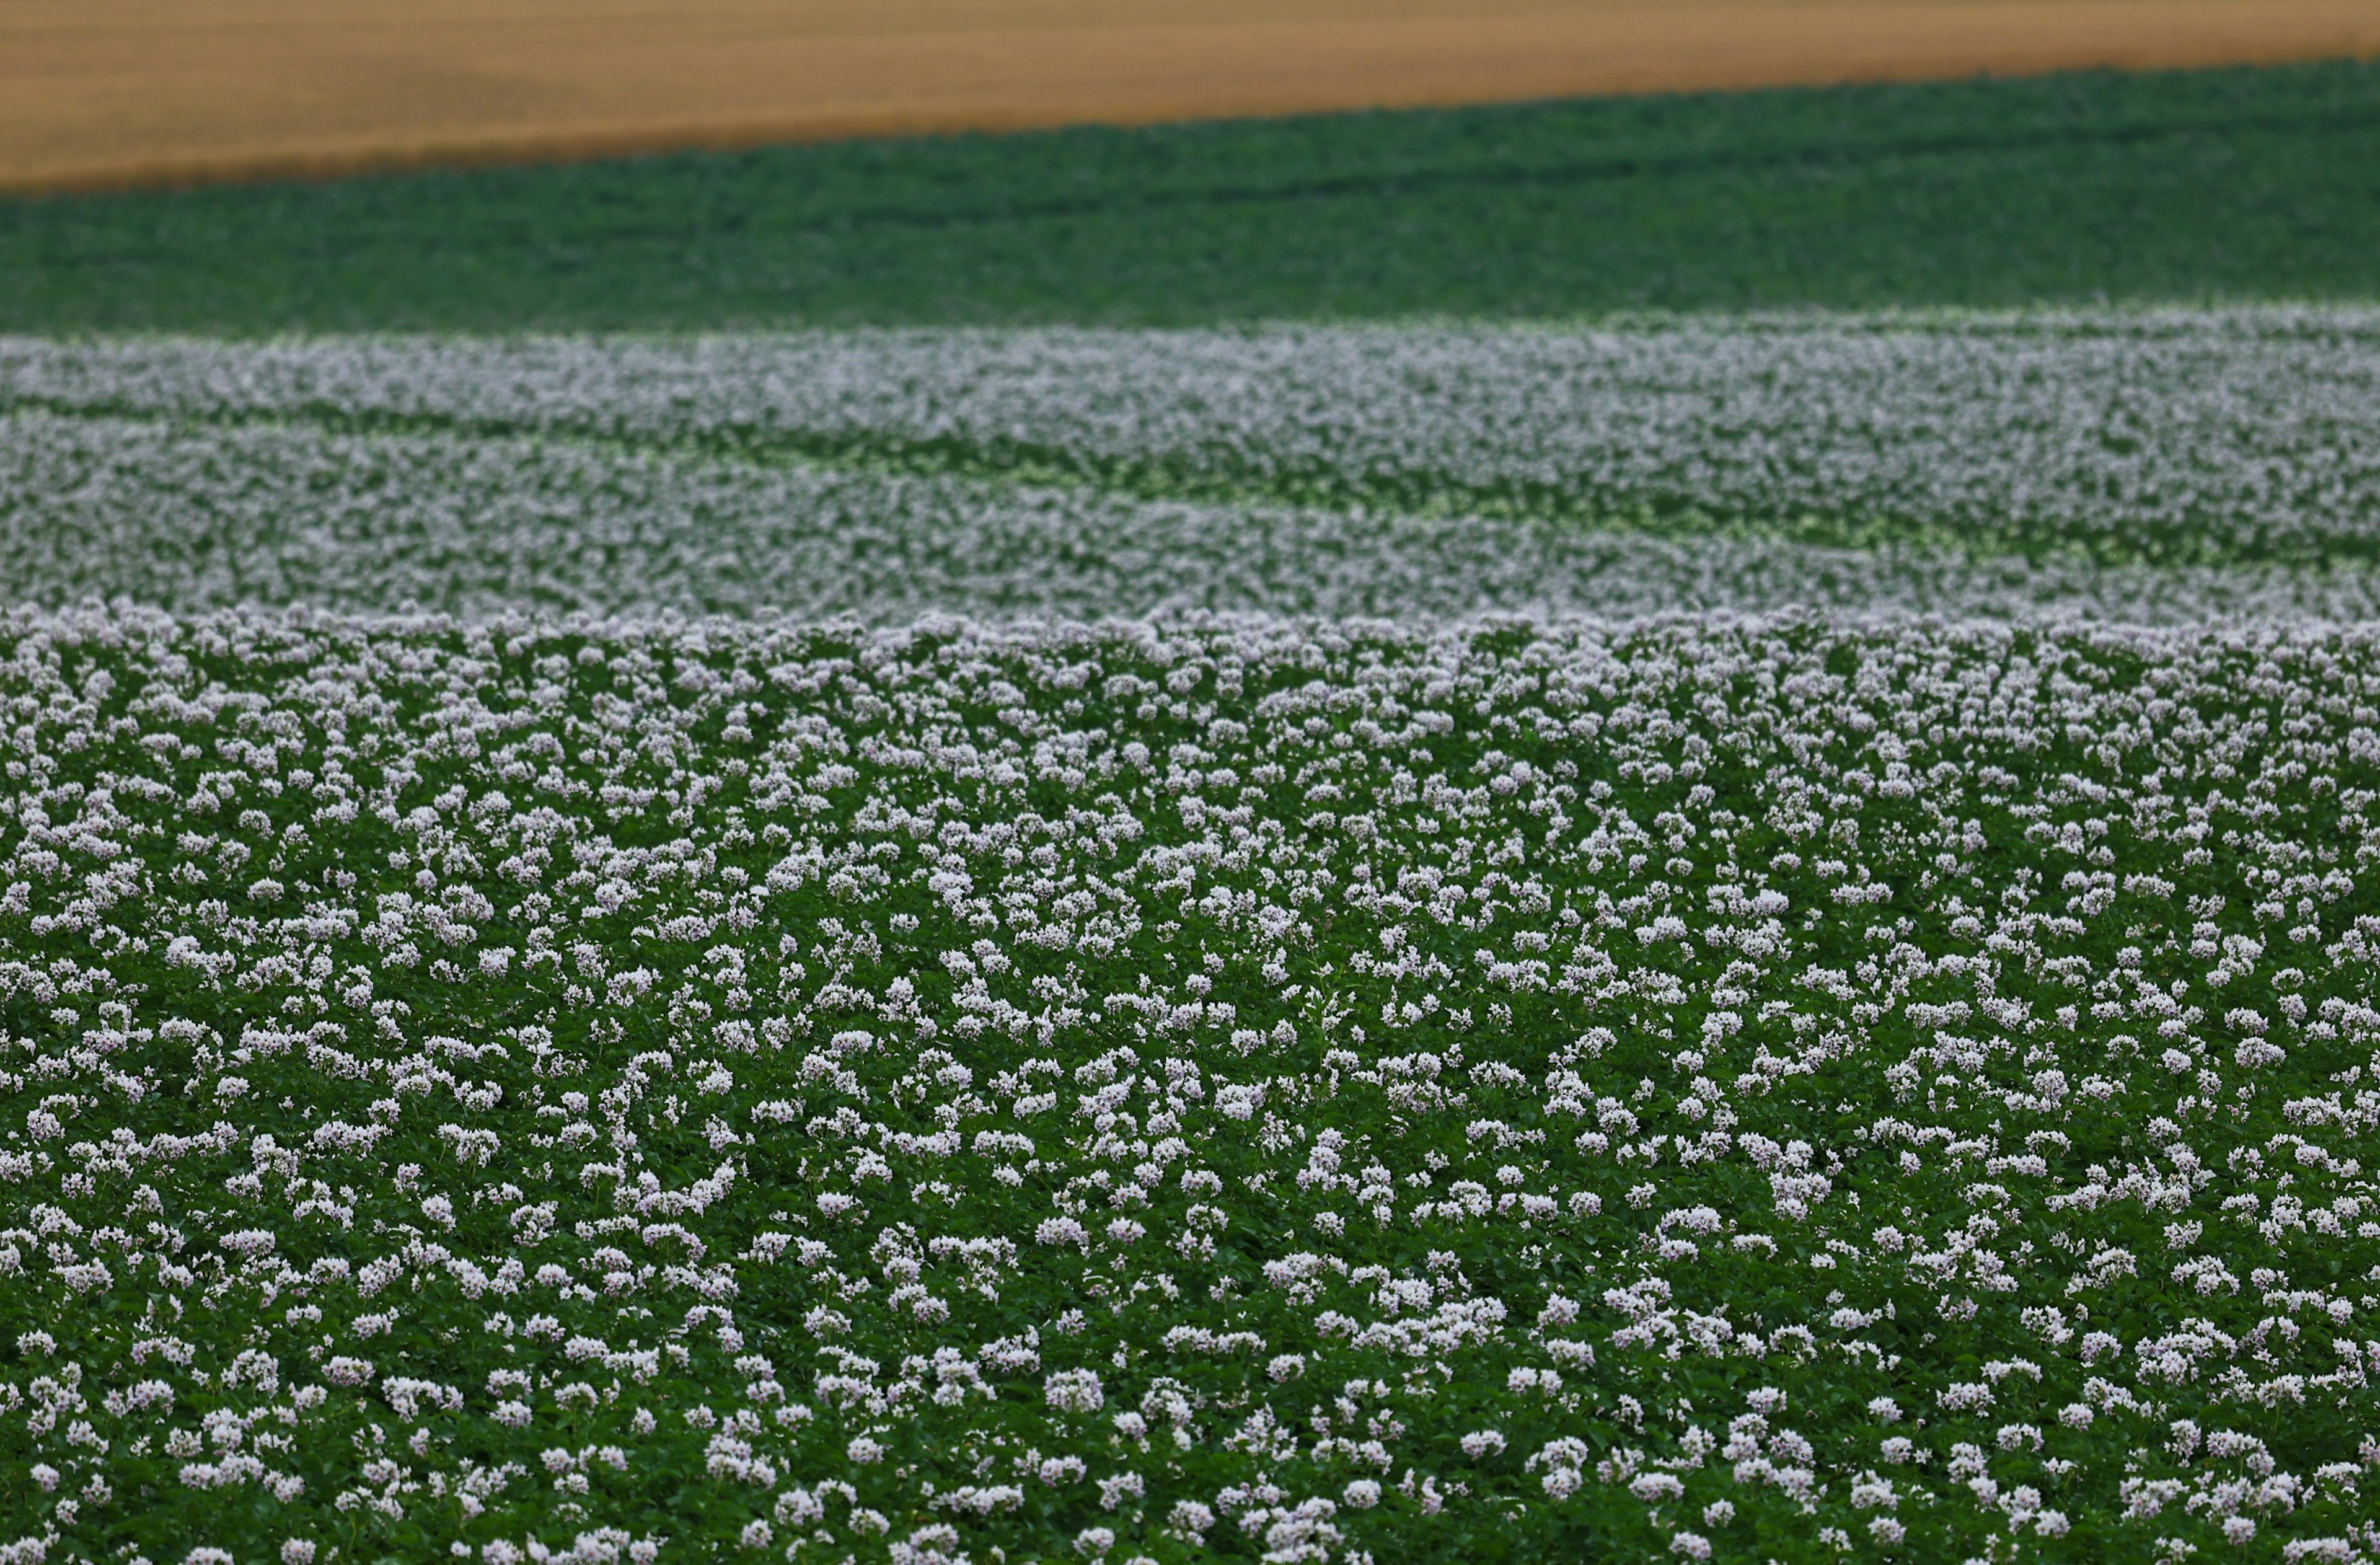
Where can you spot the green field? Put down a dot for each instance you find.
(1177, 854)
(2181, 188)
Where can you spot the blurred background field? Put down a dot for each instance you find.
(134, 91)
(2191, 186)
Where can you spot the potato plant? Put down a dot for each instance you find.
(1750, 1088)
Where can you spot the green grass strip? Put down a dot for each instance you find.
(2237, 184)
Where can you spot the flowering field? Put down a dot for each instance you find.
(1393, 1051)
(2131, 464)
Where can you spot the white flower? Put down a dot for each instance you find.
(1074, 1390)
(1190, 1519)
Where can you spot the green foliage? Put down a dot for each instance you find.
(1684, 1091)
(2249, 183)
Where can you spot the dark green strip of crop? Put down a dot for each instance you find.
(1211, 477)
(2188, 186)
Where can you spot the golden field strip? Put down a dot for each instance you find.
(105, 93)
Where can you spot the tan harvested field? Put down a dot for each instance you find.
(98, 94)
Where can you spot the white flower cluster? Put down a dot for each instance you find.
(564, 1089)
(2154, 466)
(2215, 429)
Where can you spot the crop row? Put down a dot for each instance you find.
(206, 517)
(2170, 437)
